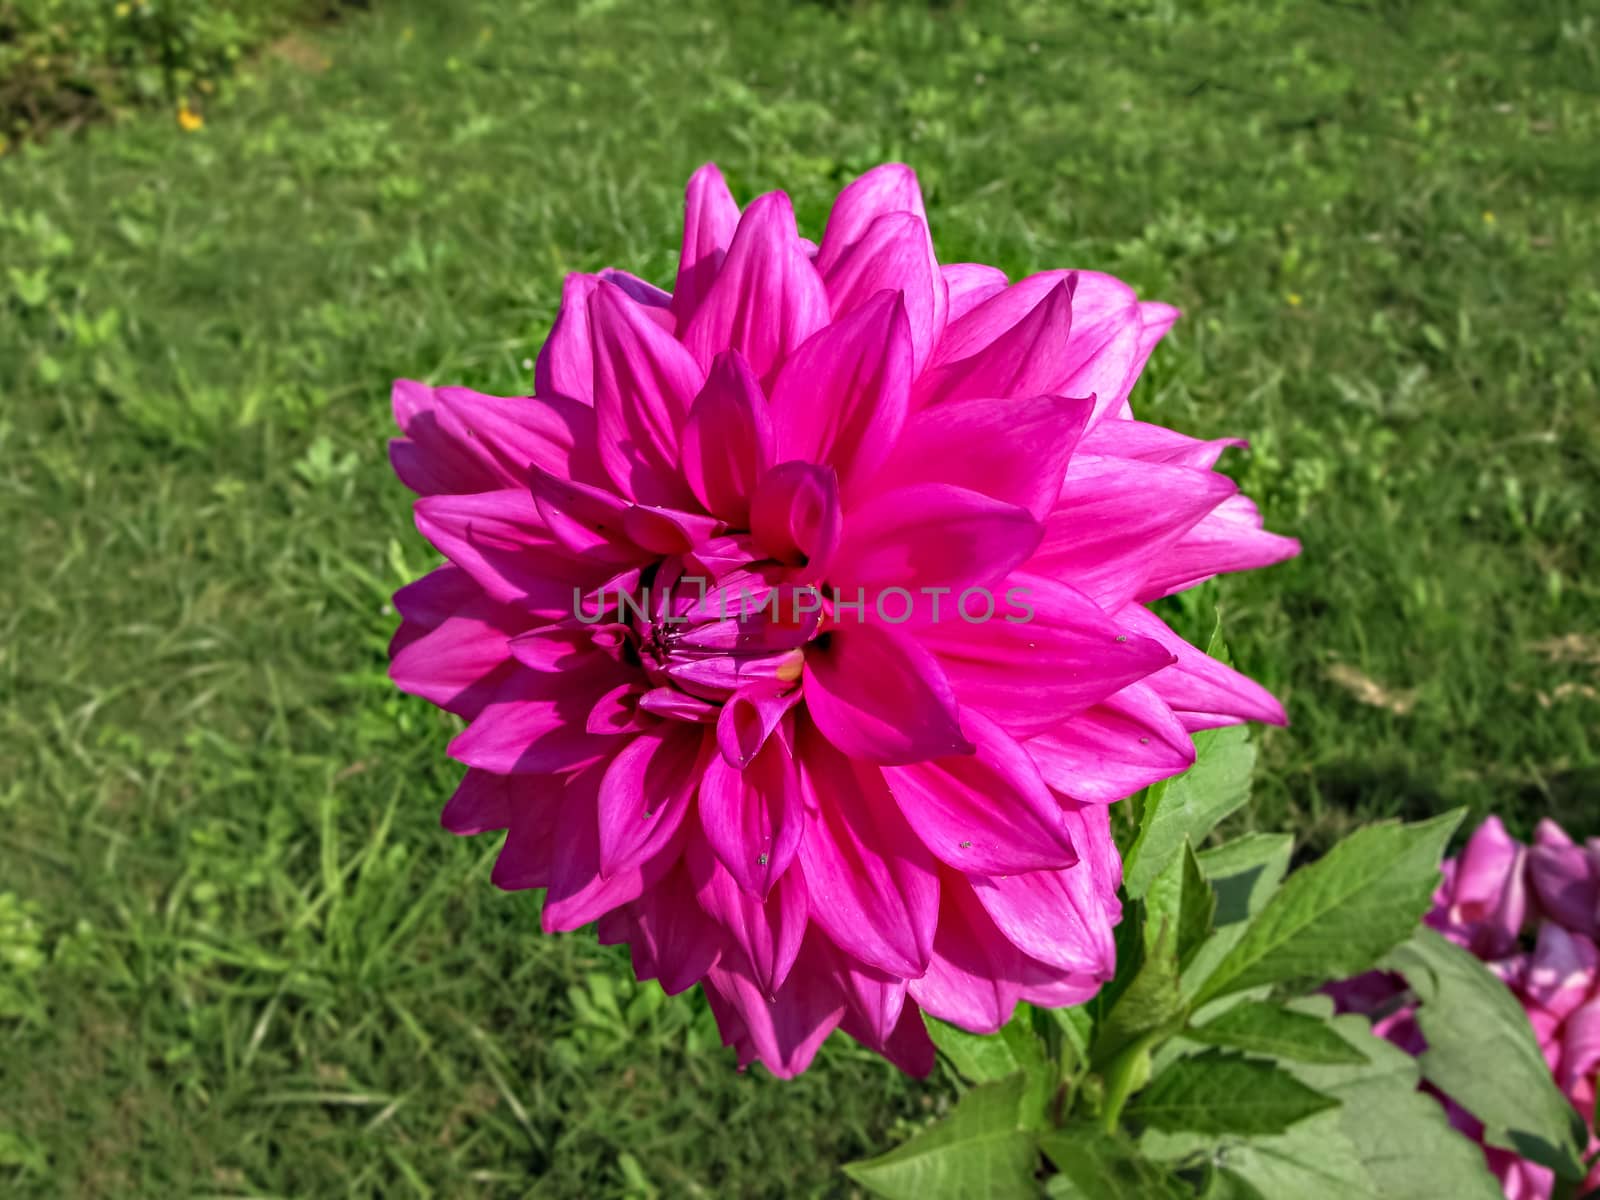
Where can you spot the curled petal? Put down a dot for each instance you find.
(754, 819)
(1028, 359)
(795, 516)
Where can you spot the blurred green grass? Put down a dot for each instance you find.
(238, 958)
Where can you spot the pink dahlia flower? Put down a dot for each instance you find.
(1494, 896)
(798, 620)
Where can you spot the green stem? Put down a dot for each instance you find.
(1123, 1079)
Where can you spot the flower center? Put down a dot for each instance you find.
(713, 633)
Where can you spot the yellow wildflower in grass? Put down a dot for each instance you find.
(1293, 298)
(1488, 218)
(190, 120)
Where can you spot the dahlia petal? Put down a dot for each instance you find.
(840, 400)
(969, 285)
(645, 793)
(1114, 519)
(1012, 450)
(1229, 538)
(876, 999)
(1049, 987)
(786, 1030)
(987, 812)
(436, 456)
(795, 516)
(894, 253)
(455, 664)
(1198, 683)
(1155, 443)
(1155, 319)
(565, 366)
(663, 530)
(997, 314)
(748, 719)
(1028, 359)
(767, 298)
(974, 974)
(654, 304)
(527, 858)
(932, 535)
(586, 520)
(1056, 917)
(1089, 826)
(1053, 654)
(1103, 353)
(728, 442)
(710, 217)
(481, 803)
(578, 892)
(500, 540)
(617, 711)
(439, 595)
(644, 382)
(872, 885)
(879, 696)
(889, 188)
(674, 941)
(754, 820)
(537, 723)
(555, 433)
(677, 706)
(768, 929)
(1126, 742)
(907, 1046)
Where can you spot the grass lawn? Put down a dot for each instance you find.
(237, 955)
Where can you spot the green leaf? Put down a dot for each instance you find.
(1217, 1091)
(1338, 916)
(1181, 896)
(976, 1058)
(1099, 1166)
(1243, 875)
(1386, 1139)
(1190, 805)
(1483, 1054)
(1270, 1029)
(979, 1150)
